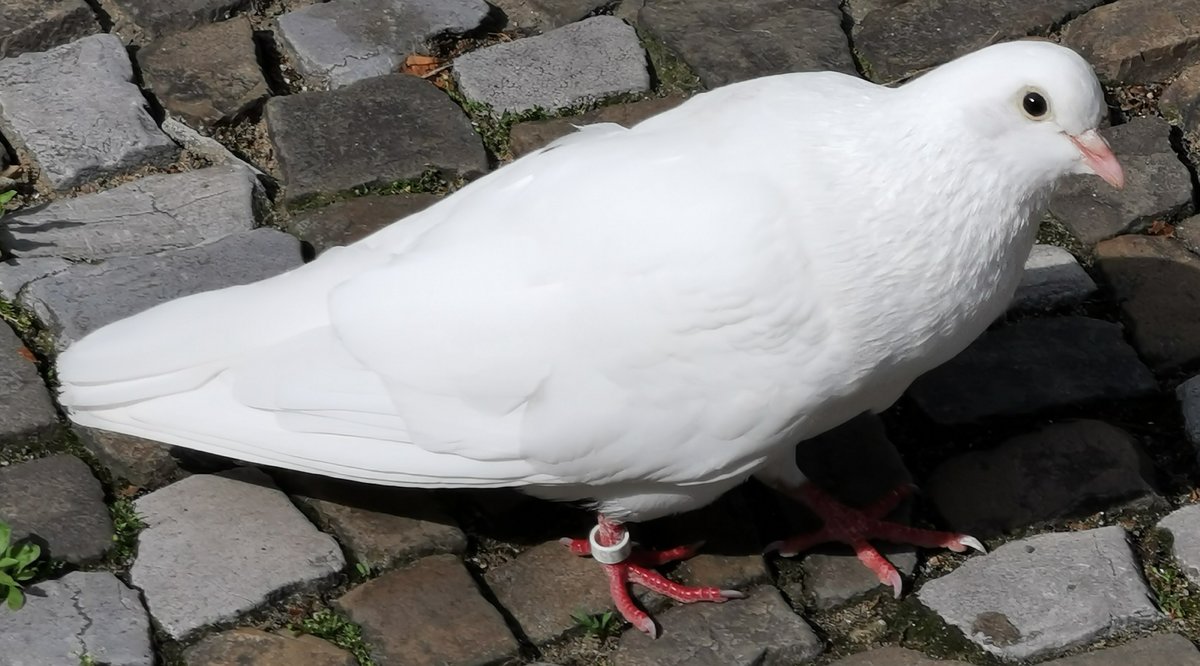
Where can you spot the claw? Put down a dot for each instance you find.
(970, 542)
(733, 594)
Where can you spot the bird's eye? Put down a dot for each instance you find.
(1035, 105)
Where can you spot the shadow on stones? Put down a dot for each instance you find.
(157, 112)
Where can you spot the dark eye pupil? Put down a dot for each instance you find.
(1035, 104)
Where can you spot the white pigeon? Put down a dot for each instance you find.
(637, 318)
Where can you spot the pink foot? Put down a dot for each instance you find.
(854, 527)
(609, 544)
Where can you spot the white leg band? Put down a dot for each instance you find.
(614, 554)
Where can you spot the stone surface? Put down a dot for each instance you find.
(758, 631)
(76, 113)
(142, 462)
(380, 526)
(1184, 526)
(529, 136)
(910, 37)
(1031, 366)
(1180, 102)
(1189, 401)
(1157, 284)
(1035, 597)
(542, 587)
(426, 614)
(81, 614)
(25, 408)
(148, 215)
(253, 647)
(558, 13)
(215, 546)
(726, 42)
(344, 222)
(857, 10)
(17, 272)
(857, 464)
(1137, 41)
(1052, 279)
(1188, 233)
(1157, 186)
(372, 132)
(893, 656)
(58, 503)
(207, 75)
(1161, 650)
(39, 25)
(1065, 470)
(143, 20)
(575, 64)
(85, 297)
(336, 43)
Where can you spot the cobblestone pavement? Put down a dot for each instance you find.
(164, 147)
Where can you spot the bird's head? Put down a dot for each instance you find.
(1033, 105)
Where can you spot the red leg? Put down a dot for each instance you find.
(635, 567)
(855, 526)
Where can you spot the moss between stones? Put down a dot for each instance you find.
(339, 630)
(673, 75)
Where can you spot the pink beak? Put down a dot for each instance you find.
(1099, 158)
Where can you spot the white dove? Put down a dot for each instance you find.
(639, 318)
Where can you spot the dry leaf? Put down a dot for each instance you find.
(1161, 228)
(24, 351)
(420, 65)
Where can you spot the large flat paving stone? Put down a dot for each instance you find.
(254, 647)
(60, 504)
(1065, 470)
(428, 614)
(893, 656)
(760, 630)
(17, 272)
(578, 63)
(905, 38)
(215, 546)
(140, 21)
(1031, 366)
(39, 25)
(149, 215)
(1157, 186)
(726, 42)
(1184, 526)
(1046, 594)
(344, 222)
(1189, 402)
(76, 113)
(1137, 41)
(207, 75)
(372, 132)
(336, 43)
(1052, 279)
(379, 526)
(1160, 650)
(26, 412)
(1157, 284)
(85, 297)
(82, 614)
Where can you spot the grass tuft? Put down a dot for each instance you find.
(339, 630)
